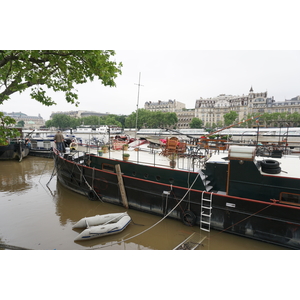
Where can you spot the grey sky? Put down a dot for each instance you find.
(159, 27)
(184, 75)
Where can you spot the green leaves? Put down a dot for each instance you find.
(6, 131)
(230, 117)
(149, 119)
(196, 123)
(58, 70)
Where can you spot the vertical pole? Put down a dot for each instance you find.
(137, 104)
(257, 135)
(287, 135)
(121, 186)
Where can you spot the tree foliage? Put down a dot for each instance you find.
(196, 123)
(230, 117)
(57, 70)
(6, 131)
(63, 121)
(149, 119)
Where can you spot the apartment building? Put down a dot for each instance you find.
(164, 106)
(212, 110)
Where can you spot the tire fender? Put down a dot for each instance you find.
(188, 218)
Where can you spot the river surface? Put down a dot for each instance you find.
(37, 212)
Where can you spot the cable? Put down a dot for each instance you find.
(156, 222)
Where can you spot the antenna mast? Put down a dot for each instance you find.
(137, 104)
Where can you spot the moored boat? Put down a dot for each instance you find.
(16, 149)
(234, 191)
(98, 220)
(104, 229)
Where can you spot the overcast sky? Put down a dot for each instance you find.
(184, 75)
(178, 74)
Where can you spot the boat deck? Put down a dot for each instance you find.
(289, 164)
(148, 156)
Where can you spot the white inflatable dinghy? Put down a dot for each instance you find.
(98, 220)
(105, 229)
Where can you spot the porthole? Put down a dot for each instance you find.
(171, 180)
(157, 178)
(133, 173)
(146, 176)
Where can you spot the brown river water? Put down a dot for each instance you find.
(38, 216)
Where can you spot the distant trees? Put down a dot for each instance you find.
(20, 124)
(149, 119)
(63, 121)
(146, 119)
(230, 117)
(273, 119)
(278, 119)
(196, 123)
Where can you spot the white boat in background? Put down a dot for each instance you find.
(98, 220)
(104, 129)
(105, 229)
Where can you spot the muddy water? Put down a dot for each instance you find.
(36, 212)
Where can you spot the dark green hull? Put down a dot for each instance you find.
(162, 191)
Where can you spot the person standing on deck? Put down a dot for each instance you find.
(59, 139)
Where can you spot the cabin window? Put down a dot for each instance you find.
(290, 198)
(108, 167)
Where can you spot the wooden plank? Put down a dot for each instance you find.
(121, 186)
(188, 244)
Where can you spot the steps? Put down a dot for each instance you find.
(206, 182)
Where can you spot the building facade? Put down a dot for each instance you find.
(212, 110)
(164, 106)
(184, 117)
(32, 122)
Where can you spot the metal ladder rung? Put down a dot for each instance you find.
(205, 215)
(205, 229)
(205, 222)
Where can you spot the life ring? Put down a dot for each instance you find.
(73, 146)
(188, 218)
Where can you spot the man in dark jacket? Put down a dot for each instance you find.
(59, 139)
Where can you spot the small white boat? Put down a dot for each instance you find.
(98, 220)
(105, 229)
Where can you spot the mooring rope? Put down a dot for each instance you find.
(246, 218)
(138, 234)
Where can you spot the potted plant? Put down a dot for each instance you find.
(125, 147)
(105, 148)
(172, 158)
(100, 152)
(126, 156)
